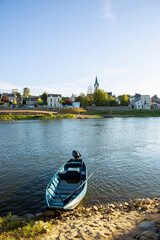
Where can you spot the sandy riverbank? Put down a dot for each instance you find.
(138, 219)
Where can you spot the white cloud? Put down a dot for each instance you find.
(107, 11)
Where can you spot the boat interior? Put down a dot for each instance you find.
(67, 181)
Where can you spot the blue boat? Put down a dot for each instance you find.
(69, 185)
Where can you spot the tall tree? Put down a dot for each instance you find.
(5, 98)
(113, 102)
(80, 98)
(26, 92)
(18, 94)
(24, 100)
(44, 98)
(124, 100)
(68, 101)
(100, 98)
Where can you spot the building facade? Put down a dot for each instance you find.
(31, 101)
(11, 97)
(140, 102)
(53, 100)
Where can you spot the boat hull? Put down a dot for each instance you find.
(59, 186)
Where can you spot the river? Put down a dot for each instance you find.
(123, 154)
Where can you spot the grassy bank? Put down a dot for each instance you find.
(13, 227)
(50, 116)
(129, 113)
(40, 115)
(10, 117)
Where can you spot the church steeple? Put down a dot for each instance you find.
(96, 85)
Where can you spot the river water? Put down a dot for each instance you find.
(123, 153)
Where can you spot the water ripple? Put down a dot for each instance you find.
(123, 154)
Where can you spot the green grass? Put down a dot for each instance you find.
(146, 220)
(10, 117)
(15, 229)
(129, 113)
(101, 210)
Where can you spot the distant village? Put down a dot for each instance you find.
(96, 98)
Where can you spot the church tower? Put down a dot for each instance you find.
(96, 85)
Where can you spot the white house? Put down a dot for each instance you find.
(140, 101)
(53, 100)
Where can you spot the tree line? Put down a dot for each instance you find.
(100, 98)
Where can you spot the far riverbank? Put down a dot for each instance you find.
(125, 113)
(17, 114)
(39, 114)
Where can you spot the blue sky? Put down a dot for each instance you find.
(60, 46)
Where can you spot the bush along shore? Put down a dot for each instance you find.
(136, 219)
(50, 116)
(10, 117)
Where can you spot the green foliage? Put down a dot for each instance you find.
(50, 116)
(100, 98)
(128, 113)
(85, 100)
(124, 100)
(16, 229)
(112, 102)
(80, 99)
(26, 92)
(18, 94)
(64, 98)
(31, 230)
(62, 102)
(39, 101)
(24, 100)
(68, 101)
(44, 98)
(1, 103)
(102, 210)
(68, 115)
(5, 98)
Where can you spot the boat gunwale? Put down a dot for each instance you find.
(84, 188)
